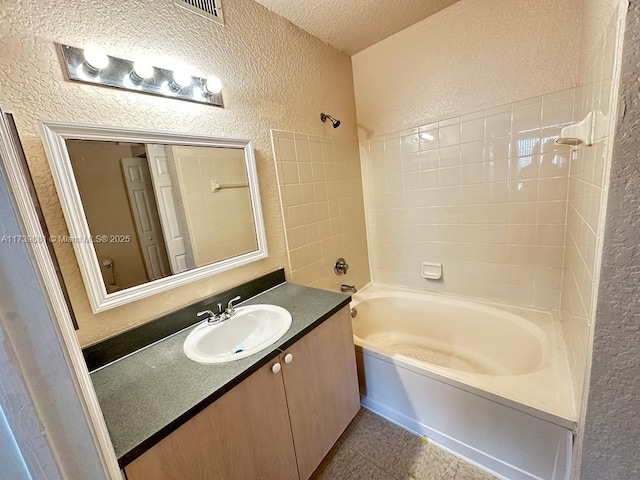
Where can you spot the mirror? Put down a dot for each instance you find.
(148, 211)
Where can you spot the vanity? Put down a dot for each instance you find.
(272, 415)
(151, 211)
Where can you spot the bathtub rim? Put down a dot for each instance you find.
(369, 292)
(367, 288)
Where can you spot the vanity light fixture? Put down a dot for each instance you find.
(213, 85)
(92, 65)
(141, 71)
(180, 80)
(95, 59)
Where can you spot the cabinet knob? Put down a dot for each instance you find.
(276, 368)
(288, 358)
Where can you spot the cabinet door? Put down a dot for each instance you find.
(322, 389)
(244, 435)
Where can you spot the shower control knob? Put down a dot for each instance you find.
(341, 266)
(288, 358)
(276, 368)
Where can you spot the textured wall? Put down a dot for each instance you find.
(473, 55)
(612, 423)
(484, 194)
(321, 191)
(274, 75)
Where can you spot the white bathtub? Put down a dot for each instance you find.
(489, 382)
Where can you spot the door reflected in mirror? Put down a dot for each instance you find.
(155, 210)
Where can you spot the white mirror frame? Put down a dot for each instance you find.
(55, 134)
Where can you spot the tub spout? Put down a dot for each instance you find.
(348, 288)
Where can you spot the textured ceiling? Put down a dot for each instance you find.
(354, 25)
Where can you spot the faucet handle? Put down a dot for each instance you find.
(230, 307)
(210, 315)
(341, 266)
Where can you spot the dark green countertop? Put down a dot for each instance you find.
(148, 394)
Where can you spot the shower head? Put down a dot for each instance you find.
(324, 116)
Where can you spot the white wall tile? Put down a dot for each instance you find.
(429, 138)
(287, 149)
(450, 176)
(472, 174)
(557, 113)
(496, 171)
(449, 135)
(410, 143)
(472, 130)
(450, 156)
(498, 125)
(497, 148)
(527, 119)
(303, 153)
(486, 194)
(472, 152)
(429, 160)
(320, 181)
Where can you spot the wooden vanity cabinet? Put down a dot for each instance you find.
(306, 398)
(321, 383)
(245, 434)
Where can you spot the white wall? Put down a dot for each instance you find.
(473, 55)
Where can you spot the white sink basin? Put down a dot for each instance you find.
(251, 329)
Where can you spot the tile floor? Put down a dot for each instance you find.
(373, 448)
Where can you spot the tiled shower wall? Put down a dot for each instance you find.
(322, 205)
(588, 180)
(484, 194)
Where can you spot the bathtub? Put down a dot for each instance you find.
(488, 382)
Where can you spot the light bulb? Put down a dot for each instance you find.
(181, 79)
(95, 58)
(213, 85)
(142, 69)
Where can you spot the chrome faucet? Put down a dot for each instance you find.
(213, 318)
(231, 309)
(344, 288)
(220, 316)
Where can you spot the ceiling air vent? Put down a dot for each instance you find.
(211, 9)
